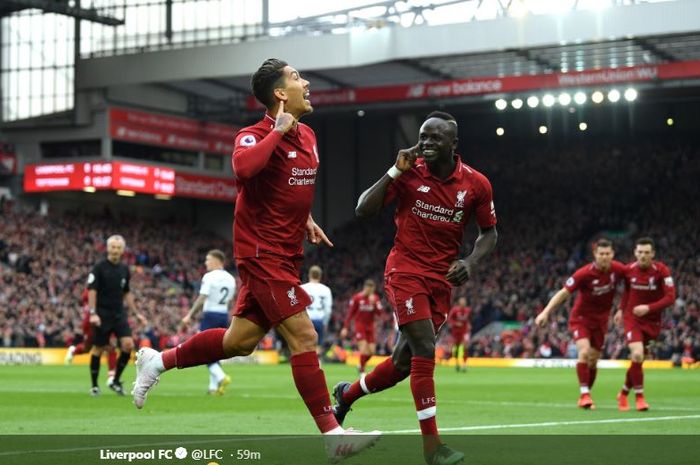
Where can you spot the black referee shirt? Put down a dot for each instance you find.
(111, 283)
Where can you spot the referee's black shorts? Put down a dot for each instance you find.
(119, 326)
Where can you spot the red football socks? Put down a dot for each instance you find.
(112, 360)
(592, 373)
(637, 376)
(363, 361)
(384, 376)
(201, 349)
(311, 384)
(423, 389)
(583, 373)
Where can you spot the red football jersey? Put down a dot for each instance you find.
(652, 286)
(362, 310)
(459, 318)
(431, 215)
(596, 291)
(274, 204)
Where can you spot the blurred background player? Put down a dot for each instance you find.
(365, 307)
(85, 345)
(108, 287)
(321, 303)
(588, 323)
(459, 322)
(275, 163)
(649, 289)
(435, 197)
(215, 294)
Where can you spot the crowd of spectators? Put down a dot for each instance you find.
(45, 260)
(551, 202)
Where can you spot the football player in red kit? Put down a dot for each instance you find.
(649, 289)
(364, 308)
(275, 163)
(596, 284)
(436, 194)
(459, 322)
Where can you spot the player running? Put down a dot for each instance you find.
(364, 308)
(275, 163)
(649, 289)
(459, 322)
(436, 195)
(85, 345)
(215, 294)
(588, 323)
(321, 303)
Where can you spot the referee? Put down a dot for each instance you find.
(108, 285)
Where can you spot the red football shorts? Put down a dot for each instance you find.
(270, 291)
(593, 331)
(365, 332)
(416, 298)
(460, 336)
(638, 331)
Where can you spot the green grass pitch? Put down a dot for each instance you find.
(263, 400)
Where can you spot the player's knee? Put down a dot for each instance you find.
(304, 341)
(584, 355)
(637, 356)
(127, 346)
(424, 348)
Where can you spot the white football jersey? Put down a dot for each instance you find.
(321, 301)
(219, 287)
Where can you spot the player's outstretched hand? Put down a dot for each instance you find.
(95, 320)
(459, 273)
(284, 121)
(315, 234)
(541, 320)
(407, 158)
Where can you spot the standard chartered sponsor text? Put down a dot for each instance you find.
(429, 211)
(303, 176)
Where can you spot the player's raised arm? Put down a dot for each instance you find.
(372, 200)
(250, 156)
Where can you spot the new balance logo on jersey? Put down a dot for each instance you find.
(409, 307)
(424, 189)
(291, 154)
(460, 198)
(291, 293)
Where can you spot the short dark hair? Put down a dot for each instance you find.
(646, 241)
(218, 254)
(265, 79)
(602, 242)
(442, 115)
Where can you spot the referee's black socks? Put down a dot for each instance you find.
(123, 360)
(94, 368)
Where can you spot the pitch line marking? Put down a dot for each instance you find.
(553, 423)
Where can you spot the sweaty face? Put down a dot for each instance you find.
(296, 91)
(644, 255)
(437, 140)
(115, 250)
(603, 257)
